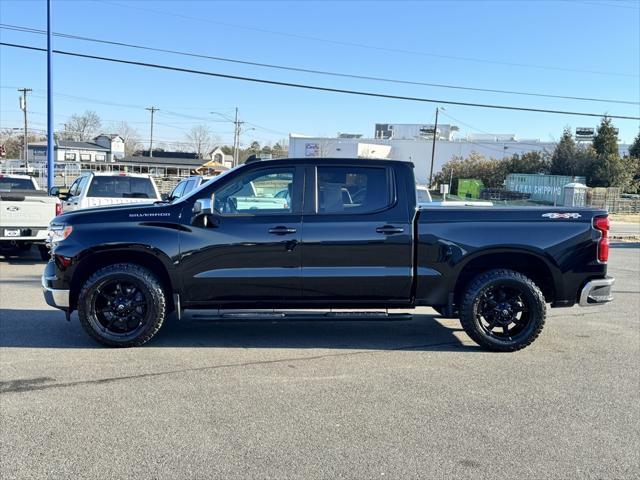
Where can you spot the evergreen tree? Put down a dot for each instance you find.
(634, 149)
(564, 160)
(607, 168)
(606, 140)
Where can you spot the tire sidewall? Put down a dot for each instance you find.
(151, 291)
(531, 295)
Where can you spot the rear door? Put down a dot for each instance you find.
(357, 236)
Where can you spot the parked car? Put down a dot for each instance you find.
(187, 185)
(124, 268)
(96, 189)
(25, 213)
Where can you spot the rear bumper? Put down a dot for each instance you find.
(54, 297)
(597, 292)
(26, 234)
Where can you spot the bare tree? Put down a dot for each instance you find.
(82, 127)
(201, 139)
(131, 137)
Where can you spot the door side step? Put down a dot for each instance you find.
(252, 316)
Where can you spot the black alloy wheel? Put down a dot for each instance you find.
(122, 305)
(503, 310)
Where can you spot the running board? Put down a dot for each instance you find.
(303, 316)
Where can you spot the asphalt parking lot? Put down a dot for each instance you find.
(411, 399)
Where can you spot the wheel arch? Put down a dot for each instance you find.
(531, 264)
(94, 260)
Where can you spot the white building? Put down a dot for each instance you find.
(403, 144)
(416, 151)
(104, 148)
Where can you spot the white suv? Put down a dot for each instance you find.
(104, 189)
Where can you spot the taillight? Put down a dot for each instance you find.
(602, 225)
(58, 208)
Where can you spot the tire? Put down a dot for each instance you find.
(503, 310)
(122, 305)
(44, 253)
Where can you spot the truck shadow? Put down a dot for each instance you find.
(48, 329)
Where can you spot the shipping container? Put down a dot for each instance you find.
(541, 188)
(469, 187)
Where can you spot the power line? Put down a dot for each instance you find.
(315, 87)
(371, 47)
(314, 71)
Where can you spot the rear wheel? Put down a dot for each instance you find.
(503, 310)
(122, 305)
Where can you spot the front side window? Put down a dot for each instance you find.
(121, 187)
(179, 190)
(73, 190)
(352, 189)
(256, 193)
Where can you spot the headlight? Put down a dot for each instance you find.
(58, 232)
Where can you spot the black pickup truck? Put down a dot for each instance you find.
(320, 234)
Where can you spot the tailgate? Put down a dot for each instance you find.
(26, 211)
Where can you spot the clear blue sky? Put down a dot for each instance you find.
(577, 48)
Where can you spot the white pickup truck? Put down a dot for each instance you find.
(96, 189)
(25, 213)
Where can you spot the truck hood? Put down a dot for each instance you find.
(122, 213)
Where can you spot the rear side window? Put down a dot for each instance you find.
(352, 189)
(121, 187)
(10, 184)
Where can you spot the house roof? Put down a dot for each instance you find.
(111, 136)
(163, 161)
(72, 144)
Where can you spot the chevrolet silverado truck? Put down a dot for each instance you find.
(25, 213)
(124, 268)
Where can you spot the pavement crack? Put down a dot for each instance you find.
(38, 384)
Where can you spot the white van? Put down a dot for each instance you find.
(96, 189)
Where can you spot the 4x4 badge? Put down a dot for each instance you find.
(556, 216)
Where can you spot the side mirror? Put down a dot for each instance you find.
(203, 212)
(203, 206)
(54, 191)
(165, 197)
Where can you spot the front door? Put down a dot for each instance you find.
(357, 238)
(249, 251)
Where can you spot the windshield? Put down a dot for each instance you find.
(8, 184)
(121, 187)
(205, 184)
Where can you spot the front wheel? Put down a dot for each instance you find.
(122, 305)
(503, 310)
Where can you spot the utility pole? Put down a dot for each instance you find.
(153, 110)
(236, 139)
(433, 146)
(23, 107)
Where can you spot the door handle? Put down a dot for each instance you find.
(389, 229)
(281, 230)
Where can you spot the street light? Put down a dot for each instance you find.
(433, 146)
